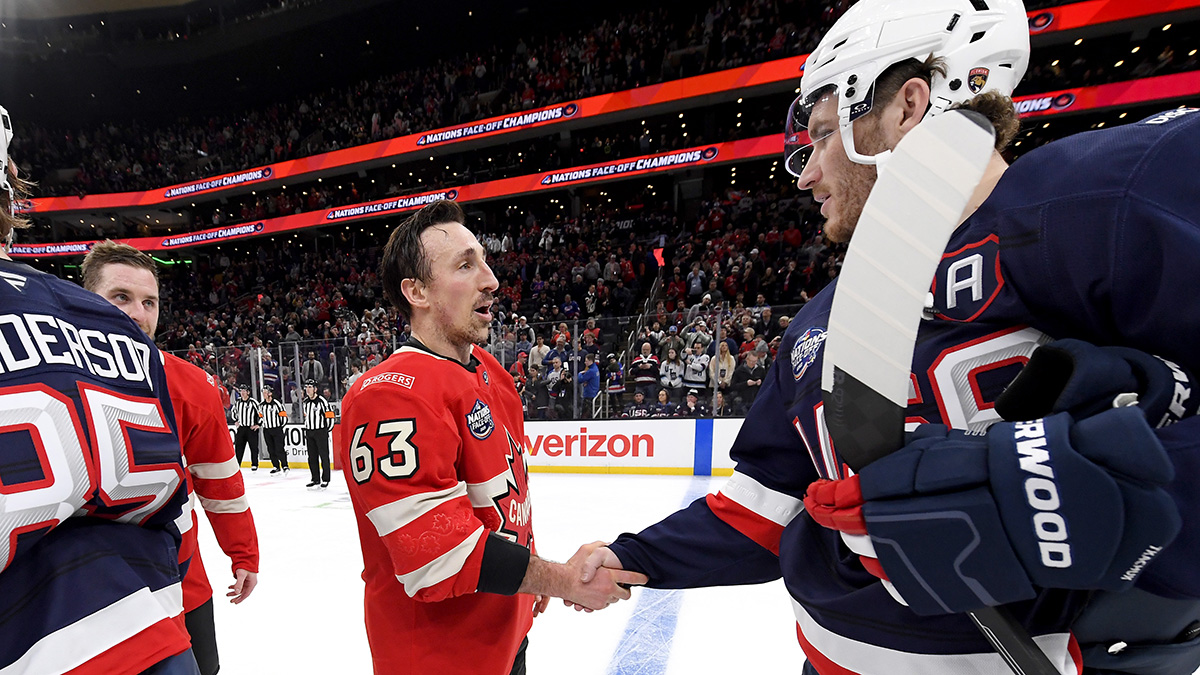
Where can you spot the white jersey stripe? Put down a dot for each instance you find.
(443, 567)
(774, 506)
(214, 471)
(72, 646)
(395, 515)
(184, 521)
(235, 505)
(481, 493)
(867, 659)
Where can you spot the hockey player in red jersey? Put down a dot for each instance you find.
(433, 449)
(128, 278)
(91, 480)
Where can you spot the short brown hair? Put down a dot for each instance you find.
(109, 252)
(404, 257)
(997, 107)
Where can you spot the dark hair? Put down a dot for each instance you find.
(109, 252)
(997, 107)
(404, 257)
(9, 220)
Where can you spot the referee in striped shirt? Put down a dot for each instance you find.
(245, 416)
(318, 420)
(274, 416)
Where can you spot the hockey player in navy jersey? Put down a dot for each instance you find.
(91, 480)
(1077, 510)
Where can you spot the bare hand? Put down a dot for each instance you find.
(540, 604)
(243, 586)
(596, 564)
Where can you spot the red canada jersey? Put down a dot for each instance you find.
(214, 478)
(435, 461)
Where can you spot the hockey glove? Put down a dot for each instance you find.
(963, 521)
(1080, 378)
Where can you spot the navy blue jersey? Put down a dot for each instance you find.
(1096, 237)
(91, 482)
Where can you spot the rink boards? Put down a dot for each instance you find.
(665, 447)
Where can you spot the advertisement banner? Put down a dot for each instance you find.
(612, 446)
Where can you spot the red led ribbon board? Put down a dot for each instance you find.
(1093, 12)
(405, 148)
(1162, 88)
(752, 148)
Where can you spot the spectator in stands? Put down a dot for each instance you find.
(615, 379)
(695, 285)
(518, 368)
(722, 408)
(670, 374)
(671, 341)
(692, 406)
(721, 367)
(695, 372)
(663, 407)
(560, 352)
(312, 369)
(539, 353)
(589, 384)
(639, 407)
(701, 309)
(747, 379)
(645, 370)
(698, 336)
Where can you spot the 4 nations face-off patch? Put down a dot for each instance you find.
(479, 420)
(804, 354)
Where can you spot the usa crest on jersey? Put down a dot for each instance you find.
(479, 420)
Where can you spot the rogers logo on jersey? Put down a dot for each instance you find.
(1042, 494)
(390, 378)
(479, 420)
(591, 445)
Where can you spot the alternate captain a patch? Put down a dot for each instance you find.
(977, 79)
(479, 420)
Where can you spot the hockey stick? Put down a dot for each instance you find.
(918, 199)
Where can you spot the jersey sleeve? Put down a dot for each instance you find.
(215, 476)
(401, 459)
(732, 537)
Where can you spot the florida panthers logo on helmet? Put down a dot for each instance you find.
(977, 79)
(480, 421)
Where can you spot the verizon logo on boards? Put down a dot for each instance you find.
(584, 444)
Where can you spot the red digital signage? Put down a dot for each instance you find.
(1062, 18)
(1165, 87)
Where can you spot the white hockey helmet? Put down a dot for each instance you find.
(6, 136)
(985, 45)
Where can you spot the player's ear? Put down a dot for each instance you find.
(913, 102)
(414, 292)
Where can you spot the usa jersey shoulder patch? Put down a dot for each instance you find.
(805, 351)
(479, 420)
(968, 280)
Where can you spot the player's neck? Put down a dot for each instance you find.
(991, 177)
(437, 343)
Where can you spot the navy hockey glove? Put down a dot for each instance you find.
(1083, 379)
(962, 521)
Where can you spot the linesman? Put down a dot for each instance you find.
(318, 420)
(245, 415)
(274, 415)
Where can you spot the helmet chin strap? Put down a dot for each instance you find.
(852, 152)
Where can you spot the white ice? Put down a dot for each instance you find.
(306, 614)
